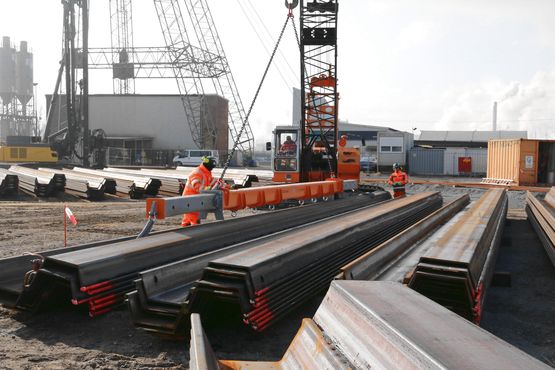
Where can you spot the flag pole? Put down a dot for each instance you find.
(65, 226)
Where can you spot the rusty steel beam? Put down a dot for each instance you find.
(457, 268)
(160, 303)
(379, 325)
(541, 215)
(369, 265)
(277, 274)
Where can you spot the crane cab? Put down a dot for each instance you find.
(286, 154)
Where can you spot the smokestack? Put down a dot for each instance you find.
(494, 121)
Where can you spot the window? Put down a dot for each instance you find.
(287, 144)
(390, 144)
(13, 153)
(22, 153)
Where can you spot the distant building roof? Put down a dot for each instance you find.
(347, 126)
(469, 136)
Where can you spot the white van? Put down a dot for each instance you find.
(193, 157)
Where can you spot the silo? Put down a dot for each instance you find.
(24, 74)
(7, 71)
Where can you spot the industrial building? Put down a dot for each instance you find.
(136, 124)
(454, 153)
(18, 115)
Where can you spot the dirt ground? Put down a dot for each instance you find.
(68, 340)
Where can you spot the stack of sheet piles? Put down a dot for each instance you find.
(457, 268)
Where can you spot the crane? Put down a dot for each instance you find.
(312, 151)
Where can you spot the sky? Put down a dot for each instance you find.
(423, 65)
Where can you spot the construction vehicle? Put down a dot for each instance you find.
(318, 152)
(26, 149)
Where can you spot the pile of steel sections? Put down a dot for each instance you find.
(457, 268)
(160, 302)
(98, 275)
(170, 185)
(370, 265)
(9, 183)
(378, 325)
(238, 175)
(541, 214)
(91, 188)
(278, 273)
(39, 183)
(134, 186)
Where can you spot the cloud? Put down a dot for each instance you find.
(526, 106)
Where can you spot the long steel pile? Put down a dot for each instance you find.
(89, 187)
(278, 273)
(170, 185)
(39, 183)
(160, 302)
(378, 325)
(134, 186)
(9, 183)
(98, 275)
(541, 214)
(457, 268)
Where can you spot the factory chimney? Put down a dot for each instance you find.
(494, 120)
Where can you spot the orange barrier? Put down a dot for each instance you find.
(235, 200)
(275, 194)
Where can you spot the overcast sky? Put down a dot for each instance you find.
(426, 64)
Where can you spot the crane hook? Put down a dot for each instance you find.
(291, 5)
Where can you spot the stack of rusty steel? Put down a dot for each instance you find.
(39, 183)
(276, 274)
(378, 325)
(9, 183)
(134, 186)
(541, 214)
(98, 275)
(458, 266)
(160, 302)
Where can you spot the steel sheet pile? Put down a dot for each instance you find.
(277, 274)
(134, 186)
(238, 175)
(378, 325)
(160, 302)
(541, 214)
(457, 268)
(39, 183)
(169, 185)
(89, 187)
(98, 275)
(9, 183)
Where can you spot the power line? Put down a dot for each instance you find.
(263, 44)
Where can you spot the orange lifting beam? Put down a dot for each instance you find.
(234, 200)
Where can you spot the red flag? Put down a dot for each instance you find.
(71, 216)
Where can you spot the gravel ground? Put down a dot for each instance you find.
(67, 340)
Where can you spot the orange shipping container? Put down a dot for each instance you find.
(524, 161)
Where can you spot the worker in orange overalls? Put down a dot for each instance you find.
(398, 180)
(200, 179)
(288, 146)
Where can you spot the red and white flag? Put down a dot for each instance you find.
(71, 216)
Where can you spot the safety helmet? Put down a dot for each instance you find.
(209, 162)
(396, 166)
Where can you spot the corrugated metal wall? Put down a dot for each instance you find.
(479, 158)
(426, 161)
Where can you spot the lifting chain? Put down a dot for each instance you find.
(290, 6)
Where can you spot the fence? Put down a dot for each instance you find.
(133, 157)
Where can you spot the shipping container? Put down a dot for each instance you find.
(478, 161)
(523, 161)
(427, 162)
